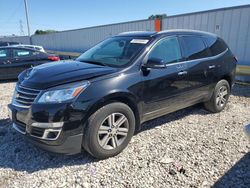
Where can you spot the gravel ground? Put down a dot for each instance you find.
(188, 148)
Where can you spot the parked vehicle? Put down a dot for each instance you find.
(14, 60)
(98, 101)
(8, 43)
(34, 47)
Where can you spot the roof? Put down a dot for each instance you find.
(15, 47)
(138, 34)
(185, 32)
(166, 32)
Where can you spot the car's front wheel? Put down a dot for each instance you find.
(109, 130)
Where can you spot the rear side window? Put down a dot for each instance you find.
(216, 45)
(194, 47)
(22, 53)
(4, 53)
(168, 50)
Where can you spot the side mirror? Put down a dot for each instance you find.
(154, 63)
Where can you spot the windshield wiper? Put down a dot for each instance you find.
(93, 62)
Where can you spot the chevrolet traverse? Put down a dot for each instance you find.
(98, 101)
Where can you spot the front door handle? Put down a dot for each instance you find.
(181, 73)
(211, 66)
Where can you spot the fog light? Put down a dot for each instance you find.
(48, 125)
(51, 134)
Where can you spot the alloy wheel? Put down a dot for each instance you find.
(113, 131)
(222, 96)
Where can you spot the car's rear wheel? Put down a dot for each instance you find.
(219, 98)
(109, 130)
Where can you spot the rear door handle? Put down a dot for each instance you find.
(211, 66)
(181, 73)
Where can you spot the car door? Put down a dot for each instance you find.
(164, 89)
(5, 64)
(200, 72)
(23, 59)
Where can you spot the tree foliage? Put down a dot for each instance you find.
(42, 32)
(157, 16)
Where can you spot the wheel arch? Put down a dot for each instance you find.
(228, 79)
(123, 97)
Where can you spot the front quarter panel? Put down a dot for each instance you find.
(122, 85)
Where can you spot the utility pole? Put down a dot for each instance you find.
(21, 27)
(27, 19)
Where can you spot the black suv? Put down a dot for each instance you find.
(98, 101)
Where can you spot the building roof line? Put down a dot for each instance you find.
(172, 16)
(207, 11)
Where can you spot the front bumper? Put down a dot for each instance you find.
(71, 145)
(65, 139)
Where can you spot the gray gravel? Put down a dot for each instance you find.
(188, 148)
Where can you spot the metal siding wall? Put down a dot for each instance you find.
(82, 39)
(244, 41)
(22, 39)
(234, 27)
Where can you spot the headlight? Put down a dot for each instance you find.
(61, 95)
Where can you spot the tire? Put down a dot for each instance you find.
(222, 90)
(102, 140)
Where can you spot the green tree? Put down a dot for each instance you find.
(157, 16)
(42, 32)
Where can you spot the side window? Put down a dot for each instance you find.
(216, 45)
(167, 49)
(194, 47)
(22, 53)
(4, 53)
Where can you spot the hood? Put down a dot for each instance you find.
(52, 74)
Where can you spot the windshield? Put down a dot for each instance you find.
(116, 51)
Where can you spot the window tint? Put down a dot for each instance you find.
(4, 53)
(115, 51)
(194, 47)
(22, 53)
(168, 50)
(216, 45)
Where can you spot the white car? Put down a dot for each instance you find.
(39, 48)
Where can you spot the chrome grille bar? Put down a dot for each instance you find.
(25, 96)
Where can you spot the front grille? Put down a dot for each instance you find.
(25, 96)
(36, 131)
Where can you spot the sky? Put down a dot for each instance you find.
(65, 14)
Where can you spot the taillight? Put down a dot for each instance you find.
(54, 58)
